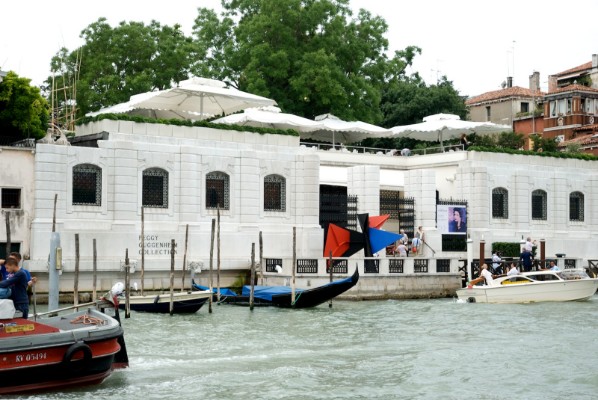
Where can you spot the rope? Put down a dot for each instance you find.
(85, 319)
(296, 299)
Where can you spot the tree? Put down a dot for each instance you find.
(115, 63)
(23, 110)
(312, 57)
(409, 100)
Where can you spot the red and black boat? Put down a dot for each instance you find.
(74, 349)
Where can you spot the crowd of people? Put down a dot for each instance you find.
(499, 267)
(404, 246)
(15, 283)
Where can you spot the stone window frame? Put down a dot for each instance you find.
(87, 168)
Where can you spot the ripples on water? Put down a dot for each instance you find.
(420, 349)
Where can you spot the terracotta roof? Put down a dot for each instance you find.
(576, 87)
(584, 140)
(515, 91)
(579, 68)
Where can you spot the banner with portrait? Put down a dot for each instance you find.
(451, 219)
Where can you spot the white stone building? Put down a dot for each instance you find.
(270, 184)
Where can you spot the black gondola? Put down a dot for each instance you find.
(280, 296)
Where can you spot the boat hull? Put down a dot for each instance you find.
(570, 290)
(304, 298)
(61, 353)
(183, 303)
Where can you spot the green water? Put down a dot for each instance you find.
(421, 349)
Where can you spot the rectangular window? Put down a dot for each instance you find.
(14, 247)
(488, 113)
(87, 186)
(562, 106)
(553, 108)
(215, 193)
(538, 206)
(155, 188)
(11, 198)
(524, 107)
(500, 204)
(569, 106)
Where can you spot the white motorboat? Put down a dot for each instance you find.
(532, 287)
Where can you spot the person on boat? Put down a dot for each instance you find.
(526, 260)
(513, 271)
(6, 274)
(529, 245)
(18, 284)
(552, 267)
(496, 263)
(485, 275)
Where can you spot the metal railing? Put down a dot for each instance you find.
(380, 151)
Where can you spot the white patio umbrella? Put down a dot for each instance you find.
(195, 98)
(270, 117)
(439, 127)
(334, 129)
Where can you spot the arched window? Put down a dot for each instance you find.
(275, 193)
(576, 206)
(155, 188)
(539, 205)
(500, 203)
(87, 185)
(217, 190)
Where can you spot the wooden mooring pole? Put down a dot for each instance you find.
(211, 263)
(261, 259)
(142, 250)
(172, 247)
(127, 286)
(185, 259)
(294, 265)
(251, 292)
(76, 278)
(8, 240)
(95, 270)
(218, 257)
(330, 269)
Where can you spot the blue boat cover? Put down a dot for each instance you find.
(266, 292)
(223, 291)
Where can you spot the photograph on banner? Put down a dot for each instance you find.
(452, 218)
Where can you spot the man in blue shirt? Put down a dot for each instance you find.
(526, 260)
(18, 283)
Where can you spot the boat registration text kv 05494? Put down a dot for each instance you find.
(27, 357)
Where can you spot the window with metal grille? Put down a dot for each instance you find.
(395, 265)
(576, 206)
(539, 205)
(271, 264)
(11, 198)
(87, 185)
(443, 265)
(420, 266)
(155, 188)
(307, 266)
(338, 266)
(217, 190)
(500, 203)
(275, 193)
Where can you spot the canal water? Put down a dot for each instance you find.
(420, 349)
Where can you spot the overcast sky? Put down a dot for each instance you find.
(476, 44)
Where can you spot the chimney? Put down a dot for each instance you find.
(534, 81)
(594, 60)
(509, 81)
